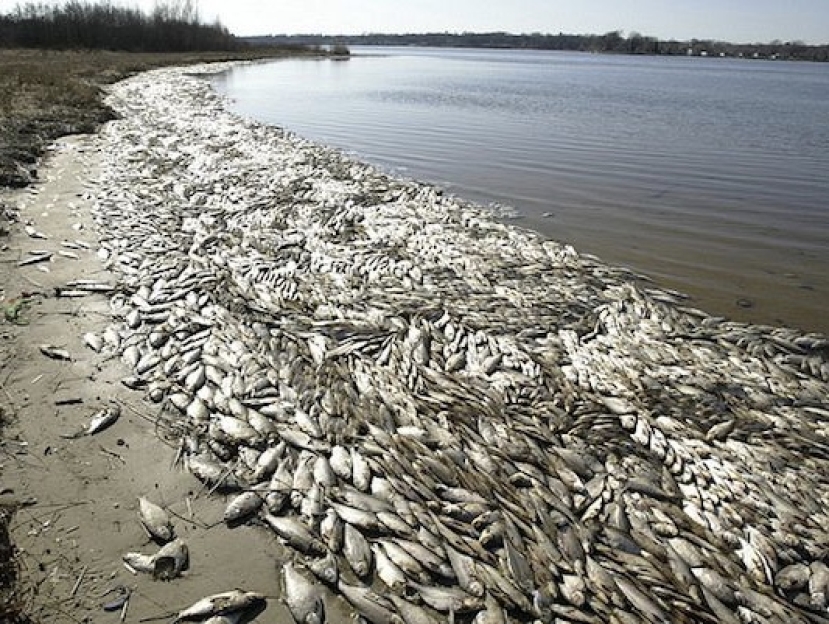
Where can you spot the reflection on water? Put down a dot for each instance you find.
(705, 174)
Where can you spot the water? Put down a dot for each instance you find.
(708, 175)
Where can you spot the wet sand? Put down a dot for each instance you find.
(80, 496)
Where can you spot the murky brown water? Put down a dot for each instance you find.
(707, 175)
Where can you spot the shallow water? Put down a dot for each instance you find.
(707, 175)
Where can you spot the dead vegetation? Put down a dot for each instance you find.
(48, 94)
(12, 600)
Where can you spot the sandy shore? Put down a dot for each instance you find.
(434, 343)
(80, 496)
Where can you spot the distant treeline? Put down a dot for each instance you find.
(171, 27)
(612, 42)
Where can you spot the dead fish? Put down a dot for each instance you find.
(641, 601)
(402, 559)
(295, 534)
(720, 431)
(242, 506)
(116, 604)
(360, 471)
(211, 472)
(448, 599)
(67, 293)
(331, 530)
(357, 517)
(56, 353)
(33, 233)
(574, 589)
(302, 597)
(155, 520)
(134, 383)
(103, 419)
(387, 570)
(235, 600)
(793, 577)
(171, 560)
(301, 440)
(340, 461)
(370, 605)
(34, 258)
(267, 462)
(326, 568)
(234, 617)
(411, 613)
(90, 285)
(99, 421)
(818, 584)
(356, 550)
(427, 557)
(93, 341)
(139, 562)
(465, 572)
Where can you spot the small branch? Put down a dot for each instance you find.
(78, 582)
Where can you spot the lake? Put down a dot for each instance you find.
(708, 175)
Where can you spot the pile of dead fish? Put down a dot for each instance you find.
(444, 416)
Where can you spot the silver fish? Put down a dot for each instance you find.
(235, 600)
(139, 562)
(448, 599)
(303, 597)
(325, 568)
(103, 419)
(155, 520)
(295, 533)
(411, 613)
(387, 570)
(356, 550)
(171, 560)
(242, 506)
(370, 605)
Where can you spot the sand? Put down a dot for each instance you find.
(78, 497)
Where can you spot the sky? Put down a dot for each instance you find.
(738, 21)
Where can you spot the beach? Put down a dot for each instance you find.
(269, 297)
(79, 497)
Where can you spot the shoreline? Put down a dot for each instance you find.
(76, 500)
(741, 259)
(275, 294)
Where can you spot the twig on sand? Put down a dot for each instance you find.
(124, 608)
(77, 584)
(158, 618)
(198, 523)
(113, 454)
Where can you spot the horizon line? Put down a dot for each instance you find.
(620, 31)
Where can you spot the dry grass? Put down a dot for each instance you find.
(48, 94)
(12, 594)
